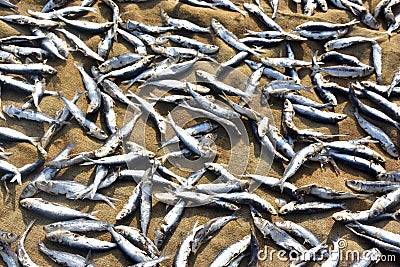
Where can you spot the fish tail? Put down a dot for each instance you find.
(109, 202)
(91, 215)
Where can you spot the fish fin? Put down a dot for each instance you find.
(91, 215)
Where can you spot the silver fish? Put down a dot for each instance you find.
(79, 241)
(326, 192)
(182, 256)
(77, 225)
(319, 115)
(65, 11)
(130, 250)
(132, 203)
(21, 251)
(372, 187)
(80, 45)
(298, 159)
(346, 42)
(146, 199)
(181, 24)
(192, 43)
(263, 17)
(138, 239)
(359, 163)
(51, 45)
(92, 128)
(118, 62)
(231, 39)
(169, 223)
(227, 255)
(299, 231)
(28, 114)
(149, 109)
(134, 40)
(64, 258)
(378, 134)
(32, 68)
(54, 210)
(109, 113)
(86, 26)
(25, 20)
(207, 230)
(295, 207)
(128, 71)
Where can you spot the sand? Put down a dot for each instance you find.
(14, 218)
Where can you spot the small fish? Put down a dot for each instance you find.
(64, 258)
(28, 114)
(25, 20)
(378, 134)
(359, 163)
(32, 68)
(77, 225)
(130, 250)
(79, 241)
(326, 192)
(299, 231)
(312, 207)
(54, 210)
(92, 128)
(169, 224)
(299, 159)
(92, 91)
(184, 249)
(21, 251)
(181, 24)
(227, 255)
(136, 237)
(118, 62)
(87, 26)
(80, 45)
(149, 109)
(263, 17)
(132, 203)
(346, 42)
(319, 115)
(207, 231)
(231, 39)
(372, 187)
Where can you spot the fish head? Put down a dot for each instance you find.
(353, 184)
(28, 202)
(29, 191)
(43, 185)
(305, 190)
(160, 40)
(214, 167)
(121, 229)
(280, 202)
(343, 216)
(203, 75)
(288, 106)
(57, 236)
(8, 237)
(49, 70)
(52, 227)
(287, 208)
